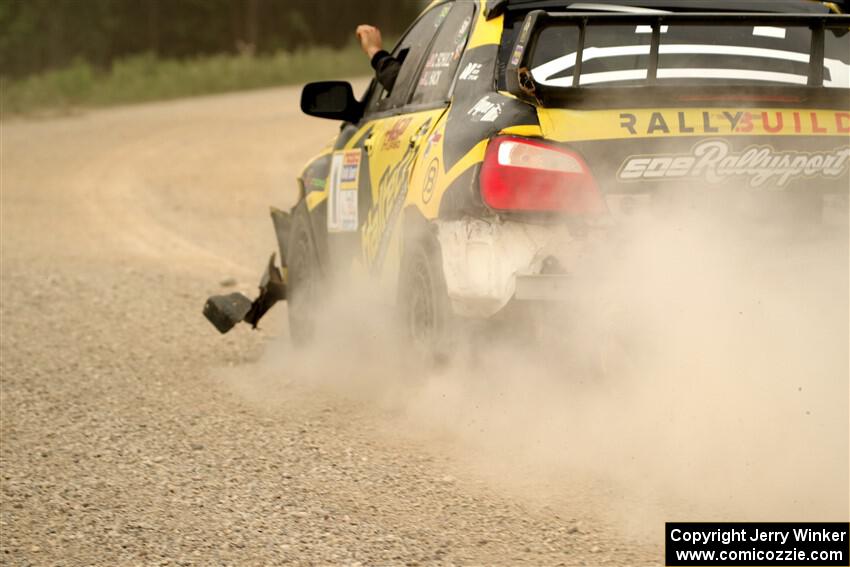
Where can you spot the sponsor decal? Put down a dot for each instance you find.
(715, 161)
(433, 139)
(470, 72)
(574, 125)
(393, 135)
(464, 26)
(429, 78)
(430, 181)
(517, 54)
(392, 191)
(734, 121)
(342, 196)
(441, 15)
(439, 60)
(460, 38)
(520, 46)
(350, 167)
(485, 110)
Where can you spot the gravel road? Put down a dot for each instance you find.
(127, 435)
(132, 433)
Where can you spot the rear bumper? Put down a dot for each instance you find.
(489, 262)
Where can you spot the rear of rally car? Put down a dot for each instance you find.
(743, 112)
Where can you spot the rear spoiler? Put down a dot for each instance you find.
(496, 8)
(521, 83)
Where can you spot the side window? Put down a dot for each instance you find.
(441, 65)
(374, 95)
(410, 51)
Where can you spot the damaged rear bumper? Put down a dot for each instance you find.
(487, 263)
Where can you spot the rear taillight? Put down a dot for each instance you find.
(520, 174)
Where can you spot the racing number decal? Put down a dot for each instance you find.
(430, 181)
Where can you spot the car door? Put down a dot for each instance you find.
(370, 160)
(404, 119)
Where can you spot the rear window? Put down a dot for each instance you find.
(618, 55)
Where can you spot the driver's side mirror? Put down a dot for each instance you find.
(331, 99)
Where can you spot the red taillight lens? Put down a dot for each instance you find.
(519, 174)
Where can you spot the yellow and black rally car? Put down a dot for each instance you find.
(516, 127)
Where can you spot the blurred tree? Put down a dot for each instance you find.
(36, 35)
(153, 26)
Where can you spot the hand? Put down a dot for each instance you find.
(370, 39)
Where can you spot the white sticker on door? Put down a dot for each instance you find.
(342, 195)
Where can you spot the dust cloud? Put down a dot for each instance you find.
(697, 370)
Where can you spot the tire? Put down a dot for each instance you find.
(304, 281)
(426, 317)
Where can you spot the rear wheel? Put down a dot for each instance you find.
(303, 281)
(426, 314)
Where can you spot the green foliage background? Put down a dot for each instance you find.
(61, 53)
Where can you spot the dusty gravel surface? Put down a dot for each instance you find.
(127, 439)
